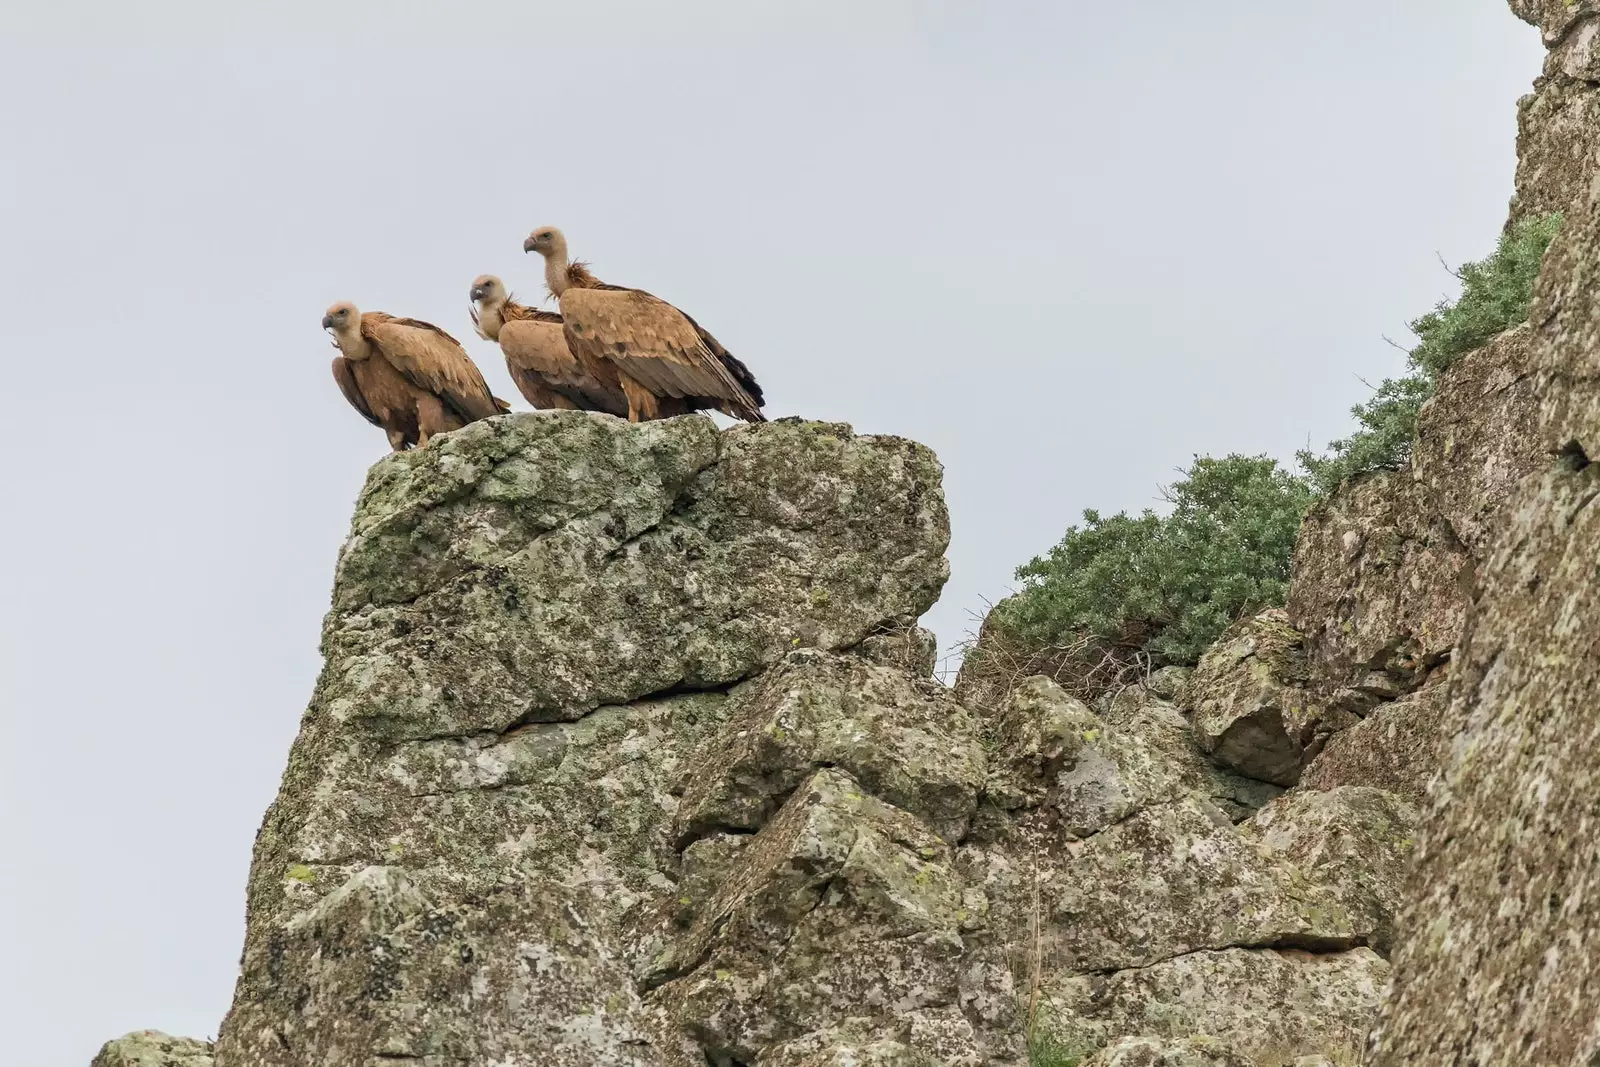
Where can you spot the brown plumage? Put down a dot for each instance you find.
(405, 375)
(535, 347)
(659, 354)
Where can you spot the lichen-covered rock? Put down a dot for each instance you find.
(1112, 906)
(1500, 897)
(842, 905)
(152, 1048)
(1398, 747)
(1478, 437)
(904, 738)
(841, 1049)
(1092, 773)
(1355, 840)
(537, 566)
(1499, 955)
(1252, 710)
(1168, 682)
(1554, 18)
(1558, 124)
(377, 971)
(537, 625)
(1161, 1052)
(1378, 590)
(1263, 1006)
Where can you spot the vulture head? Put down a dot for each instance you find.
(488, 290)
(547, 241)
(488, 293)
(342, 320)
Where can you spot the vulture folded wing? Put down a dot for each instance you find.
(344, 372)
(434, 361)
(536, 348)
(652, 342)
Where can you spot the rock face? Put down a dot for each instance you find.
(1264, 1006)
(1558, 124)
(1501, 934)
(1252, 710)
(1384, 570)
(1113, 872)
(151, 1048)
(539, 633)
(627, 751)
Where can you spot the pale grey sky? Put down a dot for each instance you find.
(1067, 245)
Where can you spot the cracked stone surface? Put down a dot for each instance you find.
(903, 737)
(837, 875)
(1399, 747)
(1262, 1006)
(1355, 840)
(1378, 589)
(1090, 773)
(1253, 712)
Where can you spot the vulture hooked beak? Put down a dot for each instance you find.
(327, 322)
(478, 293)
(527, 245)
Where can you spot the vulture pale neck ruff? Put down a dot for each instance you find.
(350, 342)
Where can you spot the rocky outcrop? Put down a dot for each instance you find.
(151, 1048)
(1498, 964)
(627, 750)
(1354, 840)
(1558, 124)
(1112, 869)
(1385, 568)
(540, 633)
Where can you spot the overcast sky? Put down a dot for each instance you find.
(1067, 245)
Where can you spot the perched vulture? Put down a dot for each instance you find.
(535, 347)
(409, 377)
(657, 354)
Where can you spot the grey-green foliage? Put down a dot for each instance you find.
(1168, 585)
(1495, 293)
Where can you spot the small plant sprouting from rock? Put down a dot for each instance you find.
(1044, 1050)
(1495, 294)
(1166, 586)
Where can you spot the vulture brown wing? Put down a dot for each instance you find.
(433, 361)
(344, 372)
(535, 390)
(538, 348)
(652, 342)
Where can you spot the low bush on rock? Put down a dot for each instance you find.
(1123, 594)
(1167, 585)
(1495, 294)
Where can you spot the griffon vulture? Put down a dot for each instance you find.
(409, 377)
(535, 347)
(657, 353)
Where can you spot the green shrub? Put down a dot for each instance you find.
(1168, 585)
(1495, 294)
